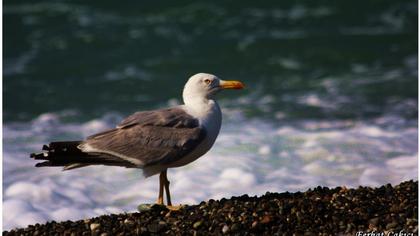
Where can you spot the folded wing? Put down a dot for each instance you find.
(149, 137)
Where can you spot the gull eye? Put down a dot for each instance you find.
(207, 81)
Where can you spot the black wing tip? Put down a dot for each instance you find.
(39, 156)
(42, 164)
(36, 155)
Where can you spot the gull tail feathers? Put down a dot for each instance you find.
(68, 155)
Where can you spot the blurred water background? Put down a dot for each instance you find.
(331, 96)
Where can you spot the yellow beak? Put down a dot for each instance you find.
(231, 84)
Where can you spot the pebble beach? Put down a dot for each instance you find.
(319, 211)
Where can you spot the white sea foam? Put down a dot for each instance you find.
(249, 157)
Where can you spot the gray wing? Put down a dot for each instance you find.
(149, 137)
(175, 117)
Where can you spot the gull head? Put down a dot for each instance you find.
(205, 86)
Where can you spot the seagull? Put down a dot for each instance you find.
(151, 140)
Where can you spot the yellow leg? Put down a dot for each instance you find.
(168, 194)
(166, 183)
(161, 185)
